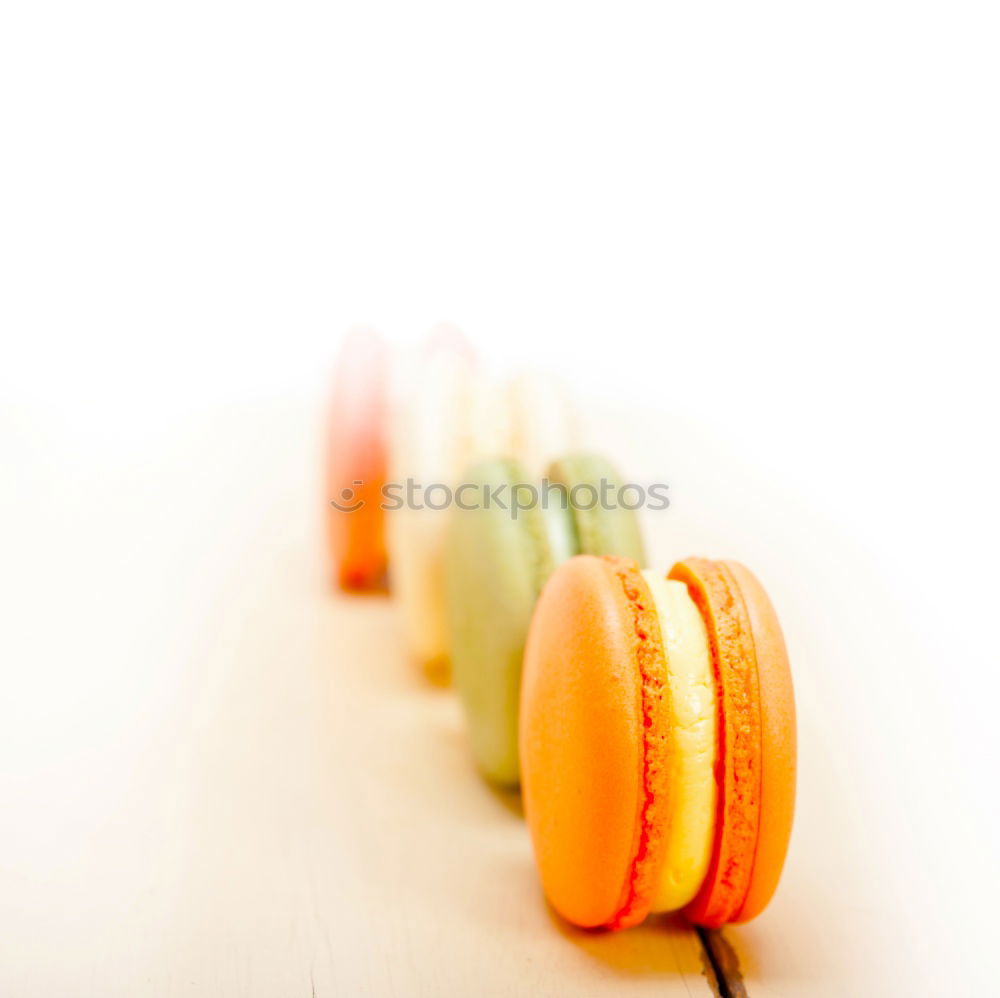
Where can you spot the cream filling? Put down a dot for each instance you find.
(688, 838)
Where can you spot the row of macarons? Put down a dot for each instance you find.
(647, 716)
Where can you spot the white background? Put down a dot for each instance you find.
(773, 227)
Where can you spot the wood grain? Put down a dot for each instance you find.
(229, 781)
(217, 778)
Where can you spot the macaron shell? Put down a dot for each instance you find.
(594, 784)
(431, 445)
(494, 566)
(543, 421)
(356, 452)
(449, 338)
(613, 530)
(778, 743)
(417, 574)
(717, 595)
(657, 744)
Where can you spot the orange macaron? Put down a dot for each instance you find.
(657, 742)
(356, 462)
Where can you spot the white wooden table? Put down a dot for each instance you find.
(218, 778)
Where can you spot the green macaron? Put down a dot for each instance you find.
(506, 535)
